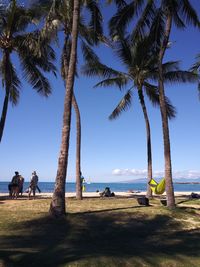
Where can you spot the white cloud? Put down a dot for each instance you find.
(186, 174)
(129, 172)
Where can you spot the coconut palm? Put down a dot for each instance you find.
(57, 206)
(141, 70)
(161, 17)
(61, 15)
(181, 13)
(33, 55)
(64, 72)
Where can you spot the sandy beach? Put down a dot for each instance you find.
(96, 194)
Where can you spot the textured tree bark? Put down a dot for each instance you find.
(6, 99)
(57, 206)
(149, 152)
(78, 149)
(166, 138)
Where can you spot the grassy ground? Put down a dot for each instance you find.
(96, 232)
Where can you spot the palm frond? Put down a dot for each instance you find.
(196, 66)
(123, 50)
(38, 51)
(170, 66)
(144, 22)
(98, 69)
(189, 13)
(119, 3)
(88, 53)
(121, 82)
(152, 92)
(178, 20)
(157, 29)
(123, 105)
(96, 20)
(15, 86)
(34, 76)
(86, 33)
(10, 80)
(180, 76)
(171, 110)
(121, 19)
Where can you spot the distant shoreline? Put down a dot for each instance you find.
(187, 183)
(95, 194)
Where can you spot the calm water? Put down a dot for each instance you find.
(48, 187)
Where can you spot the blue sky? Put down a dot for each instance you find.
(111, 150)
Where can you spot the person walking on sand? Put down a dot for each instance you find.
(21, 184)
(33, 184)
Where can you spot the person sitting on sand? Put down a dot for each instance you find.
(107, 193)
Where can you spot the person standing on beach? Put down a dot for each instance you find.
(33, 184)
(21, 184)
(82, 183)
(14, 182)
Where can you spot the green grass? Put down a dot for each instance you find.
(98, 232)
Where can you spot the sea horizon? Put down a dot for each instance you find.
(48, 187)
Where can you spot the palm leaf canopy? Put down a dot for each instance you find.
(90, 21)
(182, 11)
(141, 11)
(34, 53)
(10, 79)
(141, 72)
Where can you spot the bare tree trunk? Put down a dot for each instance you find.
(149, 153)
(166, 138)
(57, 206)
(78, 149)
(3, 114)
(6, 99)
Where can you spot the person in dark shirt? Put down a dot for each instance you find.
(14, 182)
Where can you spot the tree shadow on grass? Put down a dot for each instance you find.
(83, 236)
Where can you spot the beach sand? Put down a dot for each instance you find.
(95, 194)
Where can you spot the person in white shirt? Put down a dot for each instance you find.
(33, 184)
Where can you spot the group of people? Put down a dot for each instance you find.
(17, 183)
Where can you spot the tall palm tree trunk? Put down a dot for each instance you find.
(166, 138)
(7, 79)
(78, 149)
(57, 206)
(149, 153)
(78, 129)
(4, 113)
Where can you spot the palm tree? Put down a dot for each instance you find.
(57, 207)
(141, 69)
(61, 11)
(78, 149)
(64, 72)
(34, 56)
(179, 12)
(159, 19)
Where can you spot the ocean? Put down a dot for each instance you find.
(48, 187)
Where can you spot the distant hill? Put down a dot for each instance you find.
(175, 180)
